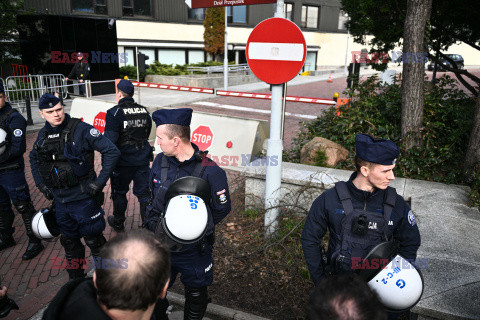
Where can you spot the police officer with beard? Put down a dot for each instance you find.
(13, 185)
(181, 158)
(62, 163)
(128, 125)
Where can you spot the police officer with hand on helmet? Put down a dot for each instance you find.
(62, 164)
(180, 159)
(364, 204)
(128, 125)
(360, 214)
(13, 185)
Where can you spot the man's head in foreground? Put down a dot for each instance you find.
(344, 297)
(139, 279)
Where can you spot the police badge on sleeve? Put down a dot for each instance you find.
(222, 196)
(94, 132)
(411, 218)
(17, 132)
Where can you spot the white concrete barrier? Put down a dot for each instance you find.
(230, 141)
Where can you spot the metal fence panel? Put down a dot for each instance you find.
(18, 88)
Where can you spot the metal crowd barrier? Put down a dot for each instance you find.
(20, 88)
(219, 69)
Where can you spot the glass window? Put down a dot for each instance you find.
(310, 17)
(82, 5)
(196, 56)
(289, 11)
(196, 14)
(142, 7)
(129, 57)
(91, 6)
(137, 8)
(237, 14)
(310, 61)
(342, 19)
(167, 56)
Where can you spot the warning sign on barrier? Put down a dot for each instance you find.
(99, 121)
(202, 136)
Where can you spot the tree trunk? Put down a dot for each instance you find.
(472, 158)
(418, 11)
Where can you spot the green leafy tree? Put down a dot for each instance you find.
(214, 33)
(9, 48)
(449, 22)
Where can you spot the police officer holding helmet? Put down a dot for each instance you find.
(128, 125)
(360, 214)
(62, 163)
(180, 159)
(13, 185)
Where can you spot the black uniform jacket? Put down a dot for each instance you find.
(327, 212)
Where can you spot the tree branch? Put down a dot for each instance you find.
(458, 72)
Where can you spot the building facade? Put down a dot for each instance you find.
(169, 32)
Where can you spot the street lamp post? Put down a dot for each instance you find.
(348, 40)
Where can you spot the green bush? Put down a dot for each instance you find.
(129, 71)
(376, 110)
(167, 69)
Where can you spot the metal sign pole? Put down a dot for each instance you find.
(225, 54)
(273, 179)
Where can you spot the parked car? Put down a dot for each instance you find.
(458, 59)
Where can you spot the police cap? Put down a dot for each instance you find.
(48, 101)
(182, 116)
(126, 86)
(374, 150)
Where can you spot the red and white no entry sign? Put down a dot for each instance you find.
(276, 50)
(202, 137)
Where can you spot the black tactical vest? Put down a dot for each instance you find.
(135, 128)
(361, 230)
(54, 168)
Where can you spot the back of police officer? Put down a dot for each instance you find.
(62, 164)
(359, 214)
(128, 125)
(181, 158)
(13, 185)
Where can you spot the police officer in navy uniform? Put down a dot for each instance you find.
(180, 158)
(13, 186)
(81, 72)
(367, 193)
(128, 125)
(62, 163)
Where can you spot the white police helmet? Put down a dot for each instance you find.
(44, 224)
(185, 218)
(3, 140)
(398, 284)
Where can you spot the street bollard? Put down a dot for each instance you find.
(60, 95)
(29, 111)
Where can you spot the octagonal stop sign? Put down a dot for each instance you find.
(99, 121)
(202, 136)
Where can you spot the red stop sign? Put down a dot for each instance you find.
(202, 137)
(99, 121)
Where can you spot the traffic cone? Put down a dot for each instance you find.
(330, 78)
